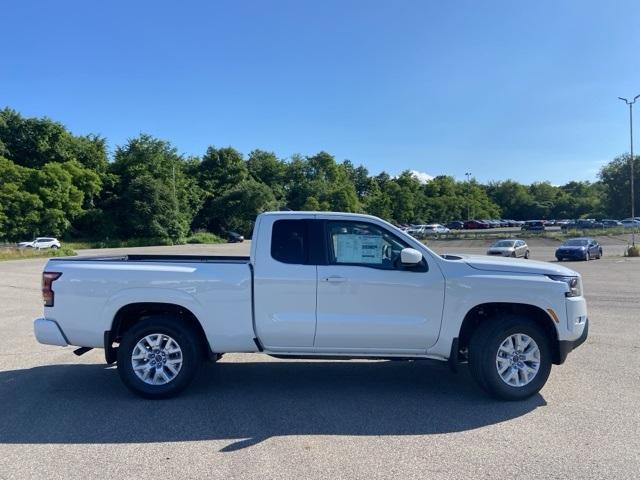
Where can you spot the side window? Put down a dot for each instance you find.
(357, 243)
(289, 241)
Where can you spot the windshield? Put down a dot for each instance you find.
(504, 243)
(576, 242)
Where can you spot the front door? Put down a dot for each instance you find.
(367, 301)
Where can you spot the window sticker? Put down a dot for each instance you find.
(352, 248)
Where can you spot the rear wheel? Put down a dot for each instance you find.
(158, 357)
(54, 247)
(510, 358)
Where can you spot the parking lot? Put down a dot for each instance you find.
(252, 416)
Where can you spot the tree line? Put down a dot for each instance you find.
(53, 182)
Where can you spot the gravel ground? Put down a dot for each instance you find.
(252, 416)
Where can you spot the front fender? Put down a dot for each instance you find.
(466, 292)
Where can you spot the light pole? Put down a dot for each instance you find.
(633, 208)
(468, 175)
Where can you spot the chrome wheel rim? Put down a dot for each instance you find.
(156, 359)
(518, 360)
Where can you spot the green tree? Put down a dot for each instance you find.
(237, 207)
(34, 142)
(318, 181)
(153, 196)
(20, 210)
(617, 186)
(266, 168)
(514, 199)
(221, 168)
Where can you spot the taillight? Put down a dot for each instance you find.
(47, 292)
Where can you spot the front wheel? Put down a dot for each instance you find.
(510, 357)
(158, 357)
(526, 255)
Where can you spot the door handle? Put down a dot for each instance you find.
(335, 279)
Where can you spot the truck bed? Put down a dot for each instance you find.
(91, 290)
(156, 258)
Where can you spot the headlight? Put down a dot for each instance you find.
(574, 284)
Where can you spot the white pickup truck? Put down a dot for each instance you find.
(316, 285)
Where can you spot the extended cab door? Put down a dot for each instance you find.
(284, 282)
(367, 301)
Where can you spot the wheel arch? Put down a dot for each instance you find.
(129, 314)
(486, 312)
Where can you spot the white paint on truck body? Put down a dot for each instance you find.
(313, 309)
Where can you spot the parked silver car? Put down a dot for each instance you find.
(509, 248)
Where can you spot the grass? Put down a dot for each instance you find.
(13, 253)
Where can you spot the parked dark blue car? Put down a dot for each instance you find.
(583, 248)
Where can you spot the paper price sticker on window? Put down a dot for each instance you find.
(352, 248)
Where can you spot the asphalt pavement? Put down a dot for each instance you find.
(252, 416)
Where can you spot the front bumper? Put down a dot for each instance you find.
(500, 253)
(49, 332)
(566, 346)
(571, 254)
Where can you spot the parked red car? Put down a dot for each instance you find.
(475, 225)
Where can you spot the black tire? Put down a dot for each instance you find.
(587, 256)
(183, 335)
(54, 247)
(526, 255)
(599, 254)
(483, 349)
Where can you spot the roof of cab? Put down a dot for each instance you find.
(337, 214)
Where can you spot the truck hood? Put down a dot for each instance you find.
(512, 265)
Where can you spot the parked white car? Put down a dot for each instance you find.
(509, 248)
(41, 243)
(436, 229)
(317, 285)
(432, 229)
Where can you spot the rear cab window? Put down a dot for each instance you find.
(290, 241)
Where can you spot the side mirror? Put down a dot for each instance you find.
(410, 257)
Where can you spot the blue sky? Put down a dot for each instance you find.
(523, 90)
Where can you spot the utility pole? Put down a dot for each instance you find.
(633, 198)
(468, 175)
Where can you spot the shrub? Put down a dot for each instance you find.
(633, 251)
(204, 237)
